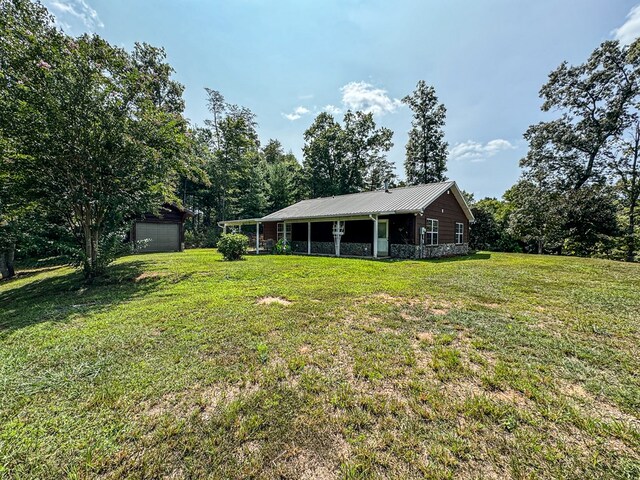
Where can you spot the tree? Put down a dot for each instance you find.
(94, 132)
(593, 101)
(323, 156)
(346, 159)
(284, 177)
(490, 227)
(535, 214)
(426, 152)
(624, 165)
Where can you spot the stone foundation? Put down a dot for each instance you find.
(328, 248)
(435, 251)
(395, 250)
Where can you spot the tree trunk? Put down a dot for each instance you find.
(631, 240)
(7, 269)
(540, 249)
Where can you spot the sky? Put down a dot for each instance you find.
(288, 60)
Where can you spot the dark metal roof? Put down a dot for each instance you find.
(396, 200)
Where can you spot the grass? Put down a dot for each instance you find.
(185, 366)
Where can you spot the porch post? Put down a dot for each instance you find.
(284, 234)
(257, 238)
(337, 239)
(375, 237)
(224, 228)
(308, 238)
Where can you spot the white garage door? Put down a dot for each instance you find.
(161, 237)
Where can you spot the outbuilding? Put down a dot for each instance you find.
(161, 232)
(421, 221)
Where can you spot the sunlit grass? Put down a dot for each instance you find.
(490, 365)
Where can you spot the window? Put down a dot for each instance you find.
(459, 232)
(432, 232)
(281, 231)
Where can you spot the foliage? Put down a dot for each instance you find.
(171, 354)
(282, 248)
(233, 246)
(284, 177)
(426, 157)
(535, 214)
(490, 230)
(592, 100)
(346, 159)
(95, 131)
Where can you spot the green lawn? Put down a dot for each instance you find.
(492, 365)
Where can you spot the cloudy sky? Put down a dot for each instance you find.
(287, 60)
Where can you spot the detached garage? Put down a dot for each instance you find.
(163, 232)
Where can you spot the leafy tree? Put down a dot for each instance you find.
(346, 159)
(323, 156)
(490, 228)
(284, 177)
(624, 166)
(589, 220)
(426, 152)
(536, 215)
(593, 101)
(363, 153)
(240, 180)
(91, 133)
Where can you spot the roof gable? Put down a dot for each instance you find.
(412, 199)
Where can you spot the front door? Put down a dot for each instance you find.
(383, 238)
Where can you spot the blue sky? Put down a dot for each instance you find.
(287, 60)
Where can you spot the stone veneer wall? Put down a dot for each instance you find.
(444, 250)
(328, 248)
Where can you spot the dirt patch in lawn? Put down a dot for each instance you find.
(270, 300)
(149, 276)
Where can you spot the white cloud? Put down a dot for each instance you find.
(332, 109)
(296, 114)
(477, 152)
(364, 96)
(630, 29)
(77, 10)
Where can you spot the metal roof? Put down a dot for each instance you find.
(396, 200)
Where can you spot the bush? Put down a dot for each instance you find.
(233, 246)
(282, 248)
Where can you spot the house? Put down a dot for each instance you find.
(163, 232)
(420, 221)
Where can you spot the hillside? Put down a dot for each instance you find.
(182, 365)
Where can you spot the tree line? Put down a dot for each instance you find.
(93, 136)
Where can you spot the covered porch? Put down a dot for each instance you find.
(360, 236)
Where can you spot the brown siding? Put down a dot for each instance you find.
(270, 231)
(447, 211)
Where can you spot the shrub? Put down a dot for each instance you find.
(282, 248)
(233, 246)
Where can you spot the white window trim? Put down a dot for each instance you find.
(461, 233)
(279, 231)
(431, 223)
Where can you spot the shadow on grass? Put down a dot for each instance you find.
(58, 298)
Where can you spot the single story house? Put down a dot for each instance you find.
(163, 232)
(420, 221)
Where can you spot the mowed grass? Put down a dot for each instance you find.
(186, 366)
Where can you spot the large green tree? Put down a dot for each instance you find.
(348, 158)
(95, 132)
(592, 101)
(426, 151)
(284, 176)
(624, 165)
